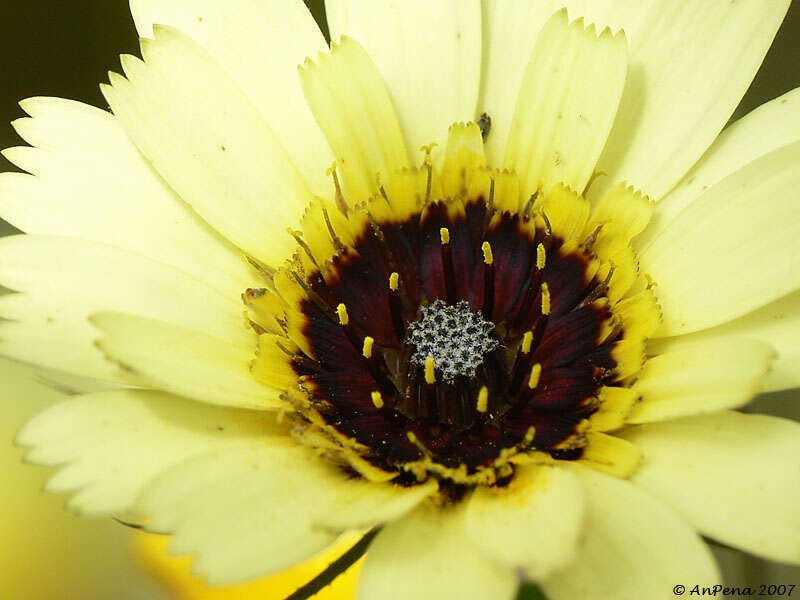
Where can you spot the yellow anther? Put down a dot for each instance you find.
(444, 235)
(344, 319)
(536, 372)
(430, 375)
(487, 253)
(377, 399)
(394, 281)
(540, 257)
(527, 340)
(483, 400)
(545, 299)
(366, 350)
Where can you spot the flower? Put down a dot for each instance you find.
(517, 350)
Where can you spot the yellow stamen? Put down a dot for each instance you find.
(483, 400)
(339, 197)
(487, 253)
(545, 299)
(444, 234)
(527, 340)
(530, 434)
(533, 380)
(430, 375)
(540, 257)
(344, 319)
(377, 399)
(394, 281)
(366, 350)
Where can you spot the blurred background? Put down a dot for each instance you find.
(65, 48)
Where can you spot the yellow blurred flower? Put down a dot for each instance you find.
(175, 574)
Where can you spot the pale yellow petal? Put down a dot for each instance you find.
(183, 361)
(734, 477)
(732, 250)
(510, 28)
(566, 105)
(63, 280)
(776, 324)
(260, 44)
(208, 141)
(772, 125)
(353, 108)
(691, 63)
(91, 182)
(429, 55)
(634, 547)
(534, 524)
(110, 445)
(692, 377)
(260, 508)
(429, 554)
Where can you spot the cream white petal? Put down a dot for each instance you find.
(259, 508)
(734, 477)
(692, 377)
(429, 55)
(428, 554)
(89, 181)
(260, 44)
(769, 127)
(110, 445)
(732, 250)
(634, 547)
(204, 136)
(776, 324)
(352, 106)
(63, 280)
(566, 105)
(187, 362)
(534, 524)
(690, 64)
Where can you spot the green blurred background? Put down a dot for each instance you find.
(65, 48)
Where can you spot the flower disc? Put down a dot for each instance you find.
(454, 336)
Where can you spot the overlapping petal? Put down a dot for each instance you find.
(690, 64)
(89, 181)
(567, 102)
(734, 477)
(429, 55)
(258, 508)
(110, 445)
(260, 45)
(184, 361)
(192, 121)
(534, 525)
(429, 554)
(732, 250)
(686, 378)
(634, 547)
(769, 127)
(63, 280)
(776, 324)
